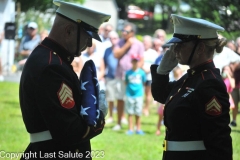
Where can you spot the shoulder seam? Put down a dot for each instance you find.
(50, 56)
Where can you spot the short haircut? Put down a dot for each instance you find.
(133, 26)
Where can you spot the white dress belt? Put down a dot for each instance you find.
(40, 136)
(183, 145)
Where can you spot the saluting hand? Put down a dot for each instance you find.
(168, 61)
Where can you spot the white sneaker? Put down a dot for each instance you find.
(124, 121)
(117, 127)
(109, 120)
(1, 78)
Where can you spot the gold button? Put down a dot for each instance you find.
(54, 53)
(179, 89)
(77, 150)
(170, 97)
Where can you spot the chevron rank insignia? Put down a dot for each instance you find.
(65, 96)
(213, 107)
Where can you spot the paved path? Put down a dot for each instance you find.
(12, 77)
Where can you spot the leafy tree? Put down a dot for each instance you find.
(223, 12)
(40, 5)
(162, 20)
(39, 11)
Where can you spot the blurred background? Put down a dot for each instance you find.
(148, 15)
(25, 23)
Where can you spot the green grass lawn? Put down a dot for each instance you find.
(116, 145)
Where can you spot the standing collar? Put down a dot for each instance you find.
(201, 67)
(60, 50)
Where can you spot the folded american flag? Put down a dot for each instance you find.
(90, 91)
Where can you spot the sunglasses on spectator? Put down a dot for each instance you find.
(160, 36)
(113, 38)
(107, 30)
(127, 32)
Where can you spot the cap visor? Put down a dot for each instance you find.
(134, 59)
(174, 40)
(166, 45)
(94, 35)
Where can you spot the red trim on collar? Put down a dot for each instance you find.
(209, 61)
(60, 59)
(50, 57)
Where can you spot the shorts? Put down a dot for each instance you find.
(121, 89)
(148, 83)
(111, 87)
(133, 105)
(101, 84)
(236, 96)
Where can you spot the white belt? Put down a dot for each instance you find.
(183, 145)
(40, 136)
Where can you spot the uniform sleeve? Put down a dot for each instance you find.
(213, 103)
(160, 86)
(55, 91)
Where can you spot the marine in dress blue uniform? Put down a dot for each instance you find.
(196, 113)
(51, 97)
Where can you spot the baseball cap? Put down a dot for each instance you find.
(32, 25)
(135, 57)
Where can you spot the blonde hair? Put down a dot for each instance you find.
(221, 43)
(216, 44)
(160, 31)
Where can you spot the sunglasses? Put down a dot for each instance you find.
(107, 30)
(30, 28)
(113, 38)
(125, 31)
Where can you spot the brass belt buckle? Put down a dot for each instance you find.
(165, 145)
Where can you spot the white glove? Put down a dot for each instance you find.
(168, 61)
(103, 103)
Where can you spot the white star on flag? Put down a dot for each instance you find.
(95, 99)
(83, 110)
(83, 84)
(98, 114)
(97, 80)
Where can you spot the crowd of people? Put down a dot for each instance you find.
(179, 76)
(112, 58)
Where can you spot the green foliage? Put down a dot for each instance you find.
(116, 145)
(39, 11)
(222, 12)
(40, 5)
(43, 20)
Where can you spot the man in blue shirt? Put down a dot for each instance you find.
(110, 67)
